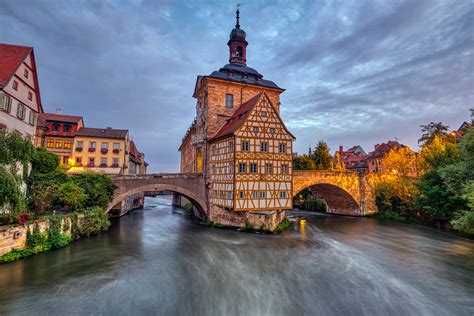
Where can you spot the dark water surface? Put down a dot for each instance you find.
(157, 261)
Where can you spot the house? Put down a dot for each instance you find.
(20, 100)
(353, 159)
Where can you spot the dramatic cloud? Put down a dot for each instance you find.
(356, 72)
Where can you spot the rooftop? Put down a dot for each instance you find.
(102, 132)
(11, 57)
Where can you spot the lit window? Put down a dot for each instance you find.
(282, 194)
(282, 148)
(65, 160)
(264, 147)
(245, 146)
(58, 143)
(30, 95)
(263, 194)
(284, 169)
(269, 168)
(229, 101)
(255, 194)
(253, 168)
(241, 194)
(15, 85)
(50, 143)
(67, 144)
(25, 73)
(242, 168)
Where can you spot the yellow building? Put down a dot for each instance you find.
(104, 150)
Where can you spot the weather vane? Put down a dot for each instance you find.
(237, 25)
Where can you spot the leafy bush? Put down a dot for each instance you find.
(95, 220)
(71, 195)
(316, 205)
(16, 254)
(10, 189)
(464, 222)
(284, 224)
(98, 188)
(44, 161)
(15, 148)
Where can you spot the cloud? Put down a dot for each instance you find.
(356, 72)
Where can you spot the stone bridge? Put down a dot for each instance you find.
(190, 185)
(348, 193)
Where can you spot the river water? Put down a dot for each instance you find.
(157, 261)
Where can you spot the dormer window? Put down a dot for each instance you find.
(56, 127)
(67, 128)
(229, 101)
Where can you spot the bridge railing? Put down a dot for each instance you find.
(157, 175)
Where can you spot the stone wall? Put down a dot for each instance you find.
(132, 202)
(14, 236)
(268, 220)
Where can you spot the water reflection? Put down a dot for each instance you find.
(158, 261)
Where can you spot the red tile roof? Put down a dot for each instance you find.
(102, 132)
(57, 118)
(11, 57)
(383, 149)
(237, 119)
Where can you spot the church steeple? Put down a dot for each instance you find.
(237, 43)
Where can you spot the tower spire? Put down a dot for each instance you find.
(237, 25)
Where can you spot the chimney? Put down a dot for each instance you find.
(341, 149)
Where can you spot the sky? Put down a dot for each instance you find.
(355, 72)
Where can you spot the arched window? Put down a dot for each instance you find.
(240, 51)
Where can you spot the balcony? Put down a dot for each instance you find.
(78, 148)
(91, 149)
(116, 150)
(104, 150)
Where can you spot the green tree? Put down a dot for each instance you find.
(71, 195)
(99, 188)
(321, 156)
(431, 130)
(43, 195)
(44, 161)
(304, 162)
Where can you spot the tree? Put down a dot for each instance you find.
(304, 162)
(71, 195)
(44, 161)
(432, 130)
(321, 156)
(400, 161)
(98, 188)
(43, 194)
(439, 152)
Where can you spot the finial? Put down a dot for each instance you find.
(237, 25)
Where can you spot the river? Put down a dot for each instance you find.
(157, 261)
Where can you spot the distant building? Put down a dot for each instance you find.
(354, 158)
(56, 133)
(20, 101)
(375, 160)
(136, 164)
(457, 134)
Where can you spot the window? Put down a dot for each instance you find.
(91, 162)
(253, 168)
(269, 168)
(65, 160)
(56, 127)
(229, 195)
(229, 101)
(50, 143)
(282, 194)
(372, 163)
(255, 129)
(213, 170)
(213, 150)
(15, 85)
(67, 128)
(263, 113)
(263, 194)
(241, 194)
(92, 144)
(116, 146)
(79, 160)
(58, 143)
(272, 130)
(284, 169)
(103, 161)
(105, 146)
(6, 104)
(231, 168)
(30, 95)
(263, 146)
(67, 144)
(240, 51)
(20, 111)
(242, 168)
(31, 118)
(115, 162)
(245, 146)
(254, 194)
(80, 144)
(283, 148)
(231, 147)
(25, 73)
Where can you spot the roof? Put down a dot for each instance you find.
(43, 117)
(237, 119)
(383, 149)
(11, 57)
(102, 132)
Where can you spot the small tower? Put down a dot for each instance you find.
(237, 43)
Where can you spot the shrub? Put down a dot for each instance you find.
(464, 222)
(284, 224)
(95, 220)
(44, 161)
(316, 205)
(98, 188)
(71, 195)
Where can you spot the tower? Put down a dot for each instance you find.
(237, 43)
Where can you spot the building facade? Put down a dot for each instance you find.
(376, 159)
(231, 99)
(56, 133)
(354, 159)
(20, 101)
